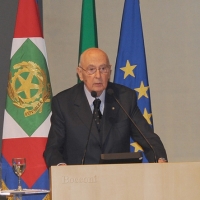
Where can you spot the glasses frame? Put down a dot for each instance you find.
(107, 66)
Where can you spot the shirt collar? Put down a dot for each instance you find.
(91, 99)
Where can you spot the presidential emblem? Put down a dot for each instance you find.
(28, 87)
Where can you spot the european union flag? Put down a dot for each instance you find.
(131, 68)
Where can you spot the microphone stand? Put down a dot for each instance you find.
(93, 94)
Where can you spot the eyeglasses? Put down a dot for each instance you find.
(103, 69)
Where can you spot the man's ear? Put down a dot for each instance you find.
(79, 72)
(109, 75)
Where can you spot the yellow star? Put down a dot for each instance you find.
(128, 69)
(142, 90)
(147, 116)
(136, 146)
(27, 85)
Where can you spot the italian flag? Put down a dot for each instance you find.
(88, 29)
(28, 103)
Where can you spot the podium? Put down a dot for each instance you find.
(150, 181)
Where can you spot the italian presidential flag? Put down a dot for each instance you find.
(28, 109)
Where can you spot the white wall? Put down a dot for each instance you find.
(171, 33)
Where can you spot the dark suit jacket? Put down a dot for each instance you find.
(70, 123)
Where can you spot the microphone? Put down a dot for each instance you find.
(111, 92)
(93, 94)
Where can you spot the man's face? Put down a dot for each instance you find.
(97, 81)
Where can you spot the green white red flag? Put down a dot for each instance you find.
(88, 29)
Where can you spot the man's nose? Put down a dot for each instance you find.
(98, 73)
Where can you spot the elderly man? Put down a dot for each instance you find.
(72, 116)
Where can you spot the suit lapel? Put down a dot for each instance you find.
(109, 116)
(82, 108)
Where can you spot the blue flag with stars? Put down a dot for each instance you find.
(131, 68)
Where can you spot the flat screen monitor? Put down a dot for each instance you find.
(119, 158)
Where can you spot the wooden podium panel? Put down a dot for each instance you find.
(169, 181)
